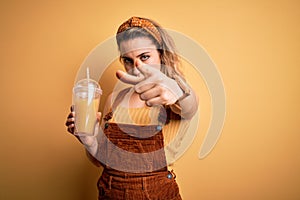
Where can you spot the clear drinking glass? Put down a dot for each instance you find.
(86, 100)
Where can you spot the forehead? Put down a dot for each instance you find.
(136, 45)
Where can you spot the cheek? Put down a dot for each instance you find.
(155, 60)
(158, 60)
(155, 63)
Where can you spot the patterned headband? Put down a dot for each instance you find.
(142, 23)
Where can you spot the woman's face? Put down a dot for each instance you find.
(137, 52)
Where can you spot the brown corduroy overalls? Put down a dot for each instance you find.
(135, 166)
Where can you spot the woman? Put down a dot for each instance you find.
(139, 121)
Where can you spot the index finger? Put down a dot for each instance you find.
(127, 78)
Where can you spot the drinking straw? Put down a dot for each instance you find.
(88, 74)
(90, 86)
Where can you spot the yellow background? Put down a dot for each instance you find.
(255, 45)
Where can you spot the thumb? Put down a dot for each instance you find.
(127, 78)
(99, 114)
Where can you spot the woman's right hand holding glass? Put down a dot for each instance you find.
(88, 141)
(70, 123)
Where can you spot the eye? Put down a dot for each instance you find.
(144, 57)
(127, 60)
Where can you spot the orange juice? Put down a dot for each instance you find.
(86, 99)
(85, 115)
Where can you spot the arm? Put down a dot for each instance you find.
(90, 142)
(187, 106)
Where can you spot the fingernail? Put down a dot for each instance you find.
(148, 104)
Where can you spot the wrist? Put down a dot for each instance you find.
(176, 108)
(88, 141)
(186, 91)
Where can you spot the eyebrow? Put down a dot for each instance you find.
(136, 56)
(125, 57)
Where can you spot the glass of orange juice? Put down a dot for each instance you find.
(86, 100)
